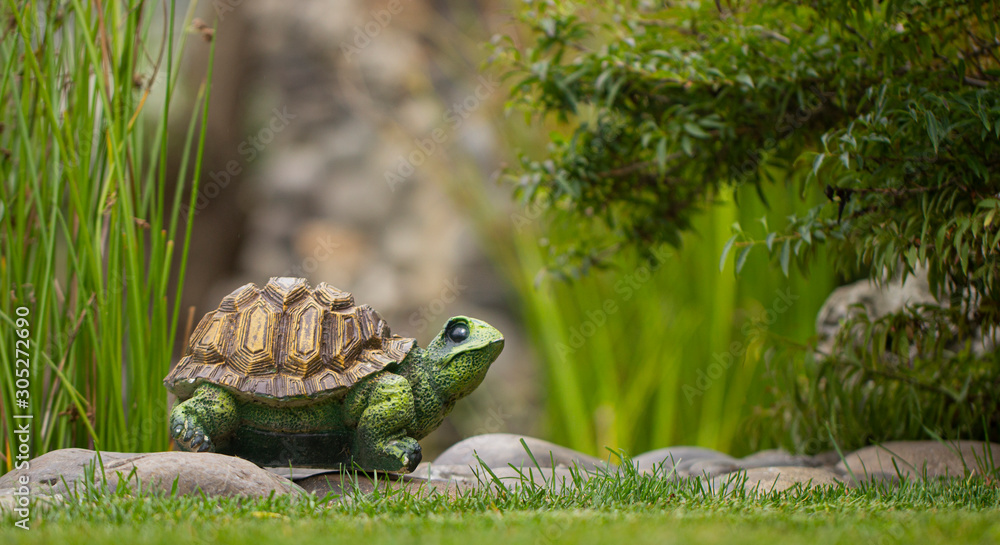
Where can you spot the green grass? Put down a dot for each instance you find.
(88, 231)
(632, 509)
(578, 526)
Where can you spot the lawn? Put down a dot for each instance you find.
(633, 509)
(671, 525)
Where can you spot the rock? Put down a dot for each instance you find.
(296, 474)
(211, 474)
(348, 483)
(558, 479)
(433, 478)
(777, 458)
(47, 472)
(9, 502)
(497, 450)
(679, 459)
(711, 468)
(914, 458)
(875, 300)
(476, 476)
(878, 301)
(829, 458)
(435, 470)
(763, 480)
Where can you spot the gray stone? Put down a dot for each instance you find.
(777, 458)
(880, 300)
(47, 472)
(435, 470)
(678, 459)
(558, 478)
(433, 478)
(499, 450)
(711, 468)
(829, 458)
(346, 484)
(916, 458)
(763, 480)
(63, 470)
(296, 473)
(8, 501)
(476, 476)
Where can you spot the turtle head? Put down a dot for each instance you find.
(461, 354)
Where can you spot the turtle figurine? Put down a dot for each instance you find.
(293, 375)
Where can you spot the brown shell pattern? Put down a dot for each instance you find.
(287, 341)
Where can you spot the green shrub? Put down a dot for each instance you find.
(885, 118)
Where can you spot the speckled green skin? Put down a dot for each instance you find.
(375, 424)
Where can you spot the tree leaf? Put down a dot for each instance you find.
(785, 254)
(742, 259)
(694, 130)
(745, 80)
(770, 240)
(932, 129)
(805, 233)
(687, 146)
(725, 251)
(818, 162)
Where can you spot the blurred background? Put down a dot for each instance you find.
(361, 144)
(410, 151)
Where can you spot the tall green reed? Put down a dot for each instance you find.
(657, 350)
(90, 234)
(665, 349)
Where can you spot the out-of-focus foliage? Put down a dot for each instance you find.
(889, 110)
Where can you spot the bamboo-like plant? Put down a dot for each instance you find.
(89, 231)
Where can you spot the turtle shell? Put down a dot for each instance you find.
(286, 342)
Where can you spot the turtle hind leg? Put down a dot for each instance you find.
(204, 422)
(382, 443)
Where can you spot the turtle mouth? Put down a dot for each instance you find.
(496, 346)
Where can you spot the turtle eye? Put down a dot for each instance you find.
(457, 332)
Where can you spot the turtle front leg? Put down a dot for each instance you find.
(385, 405)
(204, 422)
